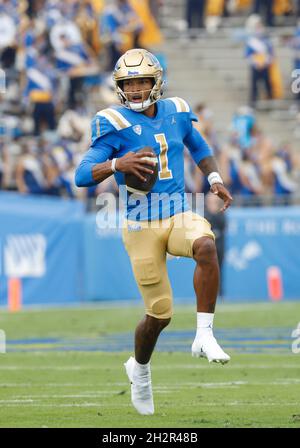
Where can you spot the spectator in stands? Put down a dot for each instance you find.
(42, 168)
(282, 168)
(243, 124)
(265, 7)
(58, 160)
(73, 60)
(150, 36)
(286, 154)
(262, 153)
(120, 28)
(88, 23)
(195, 10)
(229, 160)
(60, 25)
(260, 54)
(107, 91)
(40, 88)
(205, 125)
(74, 126)
(10, 8)
(29, 170)
(214, 10)
(249, 177)
(8, 37)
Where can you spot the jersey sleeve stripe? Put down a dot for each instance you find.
(111, 119)
(177, 104)
(121, 117)
(181, 105)
(184, 105)
(98, 133)
(115, 118)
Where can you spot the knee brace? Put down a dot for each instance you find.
(161, 308)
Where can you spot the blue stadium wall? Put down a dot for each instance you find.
(60, 256)
(41, 244)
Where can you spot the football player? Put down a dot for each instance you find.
(144, 119)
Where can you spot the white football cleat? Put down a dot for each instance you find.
(141, 389)
(207, 347)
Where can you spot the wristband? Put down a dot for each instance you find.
(113, 165)
(214, 178)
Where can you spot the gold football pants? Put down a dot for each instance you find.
(148, 243)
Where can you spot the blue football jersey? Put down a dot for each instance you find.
(118, 130)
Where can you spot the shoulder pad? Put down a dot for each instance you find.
(100, 127)
(108, 121)
(115, 118)
(180, 104)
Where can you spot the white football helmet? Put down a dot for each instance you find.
(138, 63)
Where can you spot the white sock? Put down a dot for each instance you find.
(141, 369)
(204, 324)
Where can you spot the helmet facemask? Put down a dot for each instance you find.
(154, 95)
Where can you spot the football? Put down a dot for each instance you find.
(136, 185)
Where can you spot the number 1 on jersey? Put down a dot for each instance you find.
(165, 172)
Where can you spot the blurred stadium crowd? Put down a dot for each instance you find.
(198, 11)
(57, 58)
(251, 164)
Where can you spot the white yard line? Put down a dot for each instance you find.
(28, 400)
(36, 398)
(231, 384)
(229, 366)
(35, 384)
(154, 367)
(10, 367)
(278, 382)
(118, 405)
(68, 405)
(158, 388)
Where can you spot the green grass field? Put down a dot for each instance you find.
(64, 368)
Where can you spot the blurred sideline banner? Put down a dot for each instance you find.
(263, 254)
(53, 253)
(107, 268)
(41, 246)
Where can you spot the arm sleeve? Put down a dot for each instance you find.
(104, 142)
(197, 146)
(96, 154)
